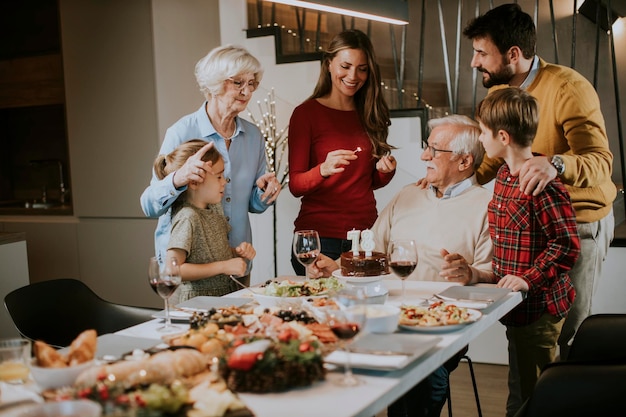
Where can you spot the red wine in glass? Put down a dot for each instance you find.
(307, 258)
(165, 288)
(403, 268)
(153, 285)
(402, 260)
(306, 247)
(346, 331)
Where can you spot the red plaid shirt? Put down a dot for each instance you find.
(536, 238)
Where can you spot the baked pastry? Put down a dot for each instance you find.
(364, 266)
(161, 368)
(48, 357)
(83, 348)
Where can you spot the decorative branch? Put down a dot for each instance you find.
(275, 139)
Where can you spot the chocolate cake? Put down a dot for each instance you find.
(364, 266)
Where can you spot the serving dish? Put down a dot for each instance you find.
(357, 280)
(185, 310)
(474, 315)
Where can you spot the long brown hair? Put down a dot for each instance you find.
(370, 103)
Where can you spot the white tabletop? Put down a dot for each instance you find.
(380, 388)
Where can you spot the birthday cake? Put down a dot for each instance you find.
(364, 263)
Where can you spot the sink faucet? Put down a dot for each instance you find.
(62, 190)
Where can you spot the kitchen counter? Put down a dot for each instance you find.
(11, 237)
(65, 210)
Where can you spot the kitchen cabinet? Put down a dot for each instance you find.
(52, 245)
(108, 59)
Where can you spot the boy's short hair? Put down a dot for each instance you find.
(513, 110)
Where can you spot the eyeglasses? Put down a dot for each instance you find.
(433, 150)
(241, 85)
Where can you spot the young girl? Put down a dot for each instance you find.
(199, 236)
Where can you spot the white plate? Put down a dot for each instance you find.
(270, 301)
(387, 353)
(358, 280)
(474, 316)
(205, 303)
(175, 315)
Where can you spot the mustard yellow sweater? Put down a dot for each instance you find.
(571, 125)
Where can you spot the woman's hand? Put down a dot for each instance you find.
(422, 183)
(270, 186)
(245, 250)
(336, 161)
(322, 267)
(386, 164)
(194, 168)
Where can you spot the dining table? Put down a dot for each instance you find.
(384, 377)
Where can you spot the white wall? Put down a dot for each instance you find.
(293, 83)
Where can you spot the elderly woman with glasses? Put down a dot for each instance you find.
(227, 77)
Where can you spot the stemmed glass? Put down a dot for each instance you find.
(306, 247)
(346, 323)
(164, 281)
(402, 260)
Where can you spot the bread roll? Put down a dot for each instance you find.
(47, 356)
(162, 368)
(83, 348)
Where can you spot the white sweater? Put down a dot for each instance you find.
(458, 224)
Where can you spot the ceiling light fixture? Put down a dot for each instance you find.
(395, 12)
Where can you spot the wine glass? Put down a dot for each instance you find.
(164, 281)
(346, 323)
(402, 260)
(306, 247)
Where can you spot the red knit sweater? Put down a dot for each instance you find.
(343, 201)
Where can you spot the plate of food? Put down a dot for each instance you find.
(290, 293)
(357, 279)
(436, 318)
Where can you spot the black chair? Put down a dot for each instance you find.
(578, 389)
(474, 386)
(600, 337)
(57, 311)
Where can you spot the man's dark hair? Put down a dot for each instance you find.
(507, 26)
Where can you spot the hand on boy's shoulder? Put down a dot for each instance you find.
(535, 174)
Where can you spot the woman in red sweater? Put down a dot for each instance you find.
(338, 150)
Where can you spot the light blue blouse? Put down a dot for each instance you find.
(244, 162)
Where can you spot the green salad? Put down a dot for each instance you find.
(288, 288)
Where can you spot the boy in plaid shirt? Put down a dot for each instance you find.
(535, 241)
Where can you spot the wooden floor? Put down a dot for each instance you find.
(492, 390)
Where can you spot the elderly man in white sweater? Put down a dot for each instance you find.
(446, 215)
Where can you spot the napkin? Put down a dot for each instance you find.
(477, 305)
(12, 393)
(367, 361)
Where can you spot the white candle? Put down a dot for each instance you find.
(367, 242)
(354, 235)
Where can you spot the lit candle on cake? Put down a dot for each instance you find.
(354, 236)
(367, 242)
